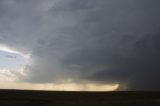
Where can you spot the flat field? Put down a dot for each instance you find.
(62, 98)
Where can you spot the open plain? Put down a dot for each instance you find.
(70, 98)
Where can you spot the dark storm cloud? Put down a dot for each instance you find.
(113, 41)
(119, 43)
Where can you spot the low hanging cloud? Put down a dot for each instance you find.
(104, 41)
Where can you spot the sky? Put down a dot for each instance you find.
(84, 45)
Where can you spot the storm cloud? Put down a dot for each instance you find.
(104, 41)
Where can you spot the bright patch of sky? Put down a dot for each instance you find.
(11, 61)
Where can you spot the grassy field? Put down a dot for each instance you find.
(57, 98)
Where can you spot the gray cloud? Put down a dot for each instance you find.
(113, 41)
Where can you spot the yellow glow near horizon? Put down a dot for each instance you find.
(9, 81)
(58, 87)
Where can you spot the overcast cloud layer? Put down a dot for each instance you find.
(106, 41)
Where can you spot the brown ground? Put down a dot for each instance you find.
(55, 98)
